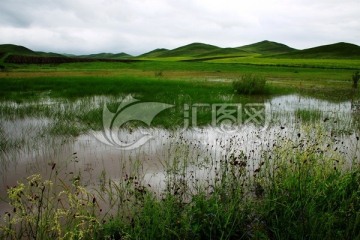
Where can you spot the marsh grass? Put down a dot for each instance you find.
(77, 103)
(47, 209)
(306, 115)
(301, 189)
(309, 194)
(148, 88)
(250, 84)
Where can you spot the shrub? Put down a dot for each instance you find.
(250, 84)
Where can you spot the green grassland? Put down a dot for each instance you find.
(312, 76)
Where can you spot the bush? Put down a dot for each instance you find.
(250, 84)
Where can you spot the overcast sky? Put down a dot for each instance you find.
(138, 26)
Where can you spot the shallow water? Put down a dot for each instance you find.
(200, 149)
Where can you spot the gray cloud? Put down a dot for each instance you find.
(137, 26)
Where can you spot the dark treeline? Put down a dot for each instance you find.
(17, 59)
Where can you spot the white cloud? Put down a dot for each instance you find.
(137, 26)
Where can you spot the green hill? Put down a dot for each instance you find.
(225, 52)
(14, 54)
(107, 56)
(267, 48)
(202, 50)
(332, 51)
(48, 54)
(155, 53)
(15, 49)
(195, 52)
(191, 50)
(11, 49)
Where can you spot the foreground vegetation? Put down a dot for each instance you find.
(296, 191)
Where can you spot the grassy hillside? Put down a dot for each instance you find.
(332, 51)
(11, 48)
(7, 50)
(267, 48)
(203, 52)
(48, 54)
(261, 53)
(225, 52)
(154, 53)
(107, 56)
(191, 50)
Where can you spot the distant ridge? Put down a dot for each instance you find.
(10, 53)
(190, 50)
(267, 48)
(203, 50)
(15, 49)
(7, 50)
(339, 50)
(225, 52)
(107, 56)
(155, 53)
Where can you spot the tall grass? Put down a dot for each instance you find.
(308, 192)
(301, 189)
(250, 84)
(308, 115)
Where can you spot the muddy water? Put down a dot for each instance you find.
(35, 151)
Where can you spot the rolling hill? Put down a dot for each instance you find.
(190, 50)
(155, 53)
(202, 50)
(10, 53)
(340, 50)
(15, 49)
(267, 48)
(225, 52)
(7, 50)
(107, 56)
(48, 54)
